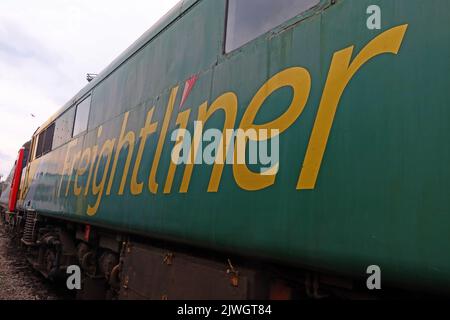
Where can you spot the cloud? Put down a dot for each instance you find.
(16, 45)
(5, 160)
(46, 49)
(4, 156)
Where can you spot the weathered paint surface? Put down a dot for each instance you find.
(380, 194)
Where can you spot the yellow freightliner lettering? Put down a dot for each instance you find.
(124, 139)
(85, 158)
(94, 157)
(152, 184)
(228, 104)
(66, 166)
(182, 122)
(148, 129)
(342, 70)
(340, 74)
(97, 189)
(300, 81)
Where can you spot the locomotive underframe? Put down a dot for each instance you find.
(116, 265)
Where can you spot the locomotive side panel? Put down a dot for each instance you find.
(383, 179)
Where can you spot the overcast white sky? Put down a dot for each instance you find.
(46, 49)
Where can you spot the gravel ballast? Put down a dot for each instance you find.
(18, 281)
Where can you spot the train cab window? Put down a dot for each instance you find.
(248, 19)
(40, 143)
(45, 141)
(48, 142)
(82, 116)
(26, 154)
(64, 127)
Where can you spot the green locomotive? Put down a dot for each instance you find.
(361, 120)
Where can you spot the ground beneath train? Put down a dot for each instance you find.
(18, 281)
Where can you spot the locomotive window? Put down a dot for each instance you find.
(40, 144)
(82, 116)
(25, 157)
(64, 127)
(45, 141)
(48, 141)
(248, 19)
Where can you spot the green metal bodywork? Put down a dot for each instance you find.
(383, 192)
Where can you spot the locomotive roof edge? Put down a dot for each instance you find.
(165, 21)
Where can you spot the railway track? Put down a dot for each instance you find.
(18, 281)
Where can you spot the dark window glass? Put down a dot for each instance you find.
(82, 116)
(248, 19)
(40, 144)
(25, 158)
(45, 141)
(48, 141)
